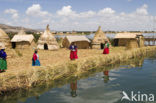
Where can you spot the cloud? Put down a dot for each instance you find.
(142, 10)
(66, 11)
(68, 19)
(13, 12)
(106, 11)
(87, 14)
(35, 10)
(107, 18)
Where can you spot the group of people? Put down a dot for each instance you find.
(73, 49)
(35, 58)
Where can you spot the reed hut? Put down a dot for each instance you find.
(99, 39)
(130, 40)
(47, 41)
(23, 40)
(82, 42)
(4, 39)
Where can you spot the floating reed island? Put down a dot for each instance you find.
(22, 95)
(23, 76)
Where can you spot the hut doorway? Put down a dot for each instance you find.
(45, 46)
(116, 41)
(13, 45)
(102, 46)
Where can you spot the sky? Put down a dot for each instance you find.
(83, 15)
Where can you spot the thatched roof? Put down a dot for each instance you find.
(2, 33)
(126, 35)
(100, 36)
(20, 38)
(77, 38)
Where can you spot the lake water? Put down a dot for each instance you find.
(108, 35)
(101, 85)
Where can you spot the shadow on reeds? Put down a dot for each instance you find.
(35, 91)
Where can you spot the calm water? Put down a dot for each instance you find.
(103, 86)
(108, 35)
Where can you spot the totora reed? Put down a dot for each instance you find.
(27, 78)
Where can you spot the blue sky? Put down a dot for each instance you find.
(80, 14)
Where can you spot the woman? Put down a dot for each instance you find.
(3, 62)
(73, 52)
(106, 48)
(35, 59)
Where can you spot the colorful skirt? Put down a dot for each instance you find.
(3, 64)
(73, 55)
(36, 63)
(106, 51)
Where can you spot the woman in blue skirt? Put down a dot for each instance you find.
(35, 59)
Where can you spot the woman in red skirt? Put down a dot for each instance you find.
(106, 48)
(73, 51)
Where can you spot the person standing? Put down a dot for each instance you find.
(3, 62)
(106, 48)
(73, 51)
(35, 59)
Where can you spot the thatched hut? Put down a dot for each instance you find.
(4, 39)
(99, 39)
(130, 40)
(23, 41)
(82, 42)
(47, 41)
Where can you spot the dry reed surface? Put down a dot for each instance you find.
(21, 59)
(56, 64)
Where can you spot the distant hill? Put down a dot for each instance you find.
(15, 29)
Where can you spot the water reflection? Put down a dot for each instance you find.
(106, 76)
(73, 90)
(73, 87)
(37, 97)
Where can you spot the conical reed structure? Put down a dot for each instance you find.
(99, 39)
(47, 41)
(4, 39)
